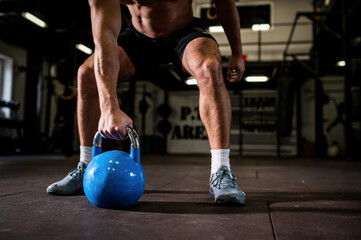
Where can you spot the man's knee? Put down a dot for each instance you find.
(86, 78)
(209, 72)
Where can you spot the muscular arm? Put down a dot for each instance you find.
(228, 17)
(106, 24)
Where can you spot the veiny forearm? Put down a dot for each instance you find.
(106, 24)
(228, 17)
(106, 69)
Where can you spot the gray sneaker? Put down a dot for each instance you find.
(71, 184)
(223, 188)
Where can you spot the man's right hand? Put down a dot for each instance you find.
(112, 124)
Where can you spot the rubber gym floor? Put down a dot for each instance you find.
(287, 198)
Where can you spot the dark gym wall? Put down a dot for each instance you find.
(65, 33)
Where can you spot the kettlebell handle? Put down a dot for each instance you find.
(134, 144)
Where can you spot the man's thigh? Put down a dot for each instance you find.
(192, 40)
(127, 68)
(197, 51)
(142, 55)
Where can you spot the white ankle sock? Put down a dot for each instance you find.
(220, 157)
(85, 154)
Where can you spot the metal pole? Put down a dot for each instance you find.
(318, 95)
(259, 45)
(347, 90)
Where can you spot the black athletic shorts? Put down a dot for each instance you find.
(147, 53)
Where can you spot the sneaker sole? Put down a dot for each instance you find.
(230, 199)
(79, 191)
(65, 194)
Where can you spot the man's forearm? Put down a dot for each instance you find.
(228, 17)
(106, 24)
(106, 70)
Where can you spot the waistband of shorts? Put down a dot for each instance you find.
(195, 24)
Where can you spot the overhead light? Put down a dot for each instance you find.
(341, 63)
(256, 78)
(260, 27)
(216, 29)
(191, 81)
(34, 19)
(84, 49)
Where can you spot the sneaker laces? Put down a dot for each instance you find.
(224, 178)
(73, 172)
(76, 171)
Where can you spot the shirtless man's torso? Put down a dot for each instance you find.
(159, 18)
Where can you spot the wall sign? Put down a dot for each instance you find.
(188, 134)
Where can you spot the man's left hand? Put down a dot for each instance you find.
(236, 69)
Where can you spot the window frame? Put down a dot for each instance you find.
(6, 82)
(243, 4)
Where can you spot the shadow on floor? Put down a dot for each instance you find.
(188, 208)
(259, 202)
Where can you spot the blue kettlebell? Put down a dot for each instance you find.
(114, 179)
